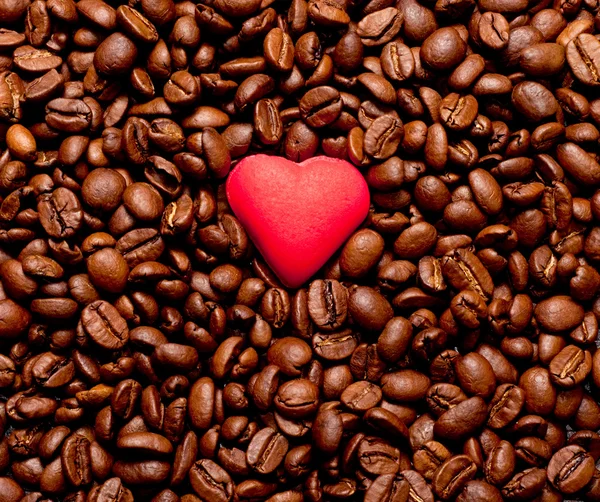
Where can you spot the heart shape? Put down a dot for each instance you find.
(297, 215)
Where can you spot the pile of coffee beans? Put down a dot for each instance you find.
(446, 352)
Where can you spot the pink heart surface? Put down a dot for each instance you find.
(297, 215)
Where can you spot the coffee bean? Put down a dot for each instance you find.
(452, 476)
(108, 270)
(267, 122)
(361, 396)
(135, 24)
(142, 472)
(578, 163)
(327, 13)
(506, 404)
(279, 50)
(52, 371)
(461, 420)
(525, 484)
(500, 464)
(380, 26)
(570, 366)
(335, 346)
(327, 304)
(21, 143)
(525, 97)
(361, 253)
(537, 385)
(443, 49)
(297, 398)
(115, 55)
(458, 112)
(30, 59)
(494, 30)
(475, 375)
(320, 106)
(377, 456)
(104, 325)
(547, 310)
(479, 490)
(542, 60)
(76, 460)
(266, 450)
(570, 469)
(582, 57)
(68, 115)
(369, 308)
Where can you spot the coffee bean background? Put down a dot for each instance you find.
(447, 352)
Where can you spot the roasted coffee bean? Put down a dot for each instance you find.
(290, 354)
(104, 325)
(582, 56)
(570, 469)
(115, 55)
(327, 304)
(320, 106)
(570, 366)
(76, 460)
(500, 463)
(461, 420)
(525, 484)
(376, 456)
(60, 213)
(558, 313)
(266, 450)
(211, 481)
(362, 251)
(452, 475)
(443, 49)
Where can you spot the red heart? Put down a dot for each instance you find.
(297, 215)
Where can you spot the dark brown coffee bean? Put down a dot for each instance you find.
(335, 346)
(327, 304)
(297, 398)
(320, 106)
(279, 50)
(547, 313)
(115, 55)
(361, 253)
(68, 115)
(534, 101)
(506, 404)
(60, 213)
(21, 143)
(290, 354)
(494, 30)
(267, 122)
(570, 469)
(327, 14)
(443, 49)
(452, 475)
(582, 56)
(462, 420)
(570, 366)
(368, 308)
(540, 395)
(525, 484)
(266, 450)
(104, 325)
(500, 464)
(458, 112)
(34, 60)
